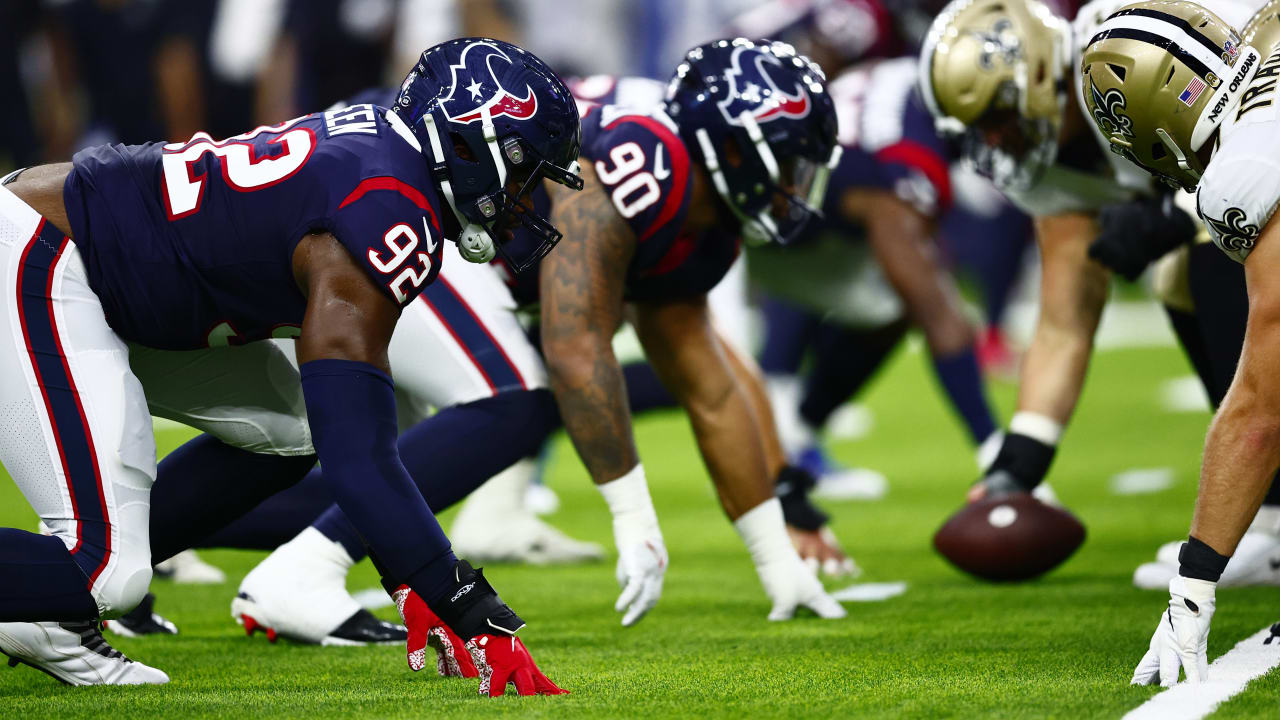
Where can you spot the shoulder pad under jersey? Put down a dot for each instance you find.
(643, 167)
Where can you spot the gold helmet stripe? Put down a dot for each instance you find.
(1167, 36)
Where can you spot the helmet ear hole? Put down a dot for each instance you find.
(461, 148)
(732, 152)
(1158, 151)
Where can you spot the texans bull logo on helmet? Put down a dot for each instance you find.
(476, 87)
(752, 89)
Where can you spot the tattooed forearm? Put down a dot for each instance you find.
(581, 284)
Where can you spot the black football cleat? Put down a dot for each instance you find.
(365, 629)
(140, 621)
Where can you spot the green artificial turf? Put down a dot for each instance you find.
(950, 647)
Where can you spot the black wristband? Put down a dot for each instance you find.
(472, 607)
(1198, 560)
(798, 511)
(1025, 459)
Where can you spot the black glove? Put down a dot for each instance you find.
(1021, 465)
(1134, 234)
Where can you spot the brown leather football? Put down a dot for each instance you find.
(1009, 537)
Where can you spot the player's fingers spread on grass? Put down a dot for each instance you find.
(523, 680)
(1202, 661)
(412, 612)
(648, 599)
(1169, 660)
(1148, 670)
(826, 607)
(544, 686)
(629, 594)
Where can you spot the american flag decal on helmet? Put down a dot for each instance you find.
(1192, 93)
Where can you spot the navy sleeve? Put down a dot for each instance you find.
(351, 408)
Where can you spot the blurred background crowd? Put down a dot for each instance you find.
(82, 72)
(75, 73)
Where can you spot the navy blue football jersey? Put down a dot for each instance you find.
(889, 139)
(191, 244)
(645, 169)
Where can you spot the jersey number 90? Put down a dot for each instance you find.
(633, 191)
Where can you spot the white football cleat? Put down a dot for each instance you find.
(1045, 494)
(851, 484)
(186, 568)
(73, 653)
(494, 525)
(519, 537)
(540, 499)
(300, 592)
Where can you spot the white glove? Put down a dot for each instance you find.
(642, 556)
(1182, 637)
(640, 571)
(787, 581)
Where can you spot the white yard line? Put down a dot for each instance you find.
(1228, 675)
(870, 592)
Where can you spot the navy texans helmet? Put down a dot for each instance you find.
(764, 128)
(493, 120)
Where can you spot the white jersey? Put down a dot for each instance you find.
(1239, 191)
(1065, 188)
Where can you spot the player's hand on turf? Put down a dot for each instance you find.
(426, 629)
(790, 584)
(1182, 637)
(994, 483)
(641, 568)
(502, 659)
(821, 551)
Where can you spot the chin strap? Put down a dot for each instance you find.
(756, 230)
(474, 243)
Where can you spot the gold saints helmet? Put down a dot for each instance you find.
(1159, 78)
(993, 72)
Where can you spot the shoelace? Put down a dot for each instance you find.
(91, 639)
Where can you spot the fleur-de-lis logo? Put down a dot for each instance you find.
(1000, 42)
(1234, 233)
(1107, 109)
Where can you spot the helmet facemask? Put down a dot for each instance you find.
(487, 218)
(1008, 147)
(757, 116)
(993, 74)
(487, 144)
(776, 208)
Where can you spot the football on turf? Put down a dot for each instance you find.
(1009, 537)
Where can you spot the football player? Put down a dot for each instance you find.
(888, 190)
(1177, 92)
(321, 228)
(995, 74)
(661, 228)
(742, 153)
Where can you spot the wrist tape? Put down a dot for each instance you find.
(1199, 561)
